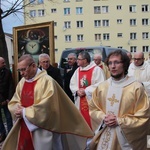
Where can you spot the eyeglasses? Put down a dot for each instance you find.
(24, 69)
(137, 59)
(115, 63)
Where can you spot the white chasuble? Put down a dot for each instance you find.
(113, 100)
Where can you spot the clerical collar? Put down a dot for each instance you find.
(37, 72)
(121, 83)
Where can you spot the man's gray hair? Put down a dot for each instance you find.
(26, 57)
(43, 55)
(85, 55)
(73, 54)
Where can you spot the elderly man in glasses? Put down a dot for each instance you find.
(41, 109)
(68, 72)
(140, 70)
(44, 62)
(98, 62)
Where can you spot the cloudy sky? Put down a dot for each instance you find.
(12, 20)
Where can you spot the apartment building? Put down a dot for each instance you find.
(81, 23)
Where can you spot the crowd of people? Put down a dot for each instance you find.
(98, 105)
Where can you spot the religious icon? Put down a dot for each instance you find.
(33, 39)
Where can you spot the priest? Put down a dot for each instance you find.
(42, 113)
(119, 109)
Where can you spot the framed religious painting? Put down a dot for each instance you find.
(33, 39)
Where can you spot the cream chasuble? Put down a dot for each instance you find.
(128, 100)
(51, 112)
(112, 107)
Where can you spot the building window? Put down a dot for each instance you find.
(40, 1)
(132, 36)
(106, 36)
(79, 24)
(104, 9)
(97, 37)
(145, 48)
(32, 13)
(56, 50)
(132, 22)
(55, 37)
(32, 1)
(132, 8)
(120, 47)
(119, 7)
(119, 34)
(145, 8)
(145, 21)
(119, 21)
(97, 10)
(133, 49)
(79, 10)
(54, 10)
(66, 11)
(55, 24)
(97, 23)
(41, 12)
(68, 38)
(80, 37)
(145, 35)
(105, 23)
(67, 24)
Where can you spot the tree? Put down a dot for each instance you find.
(16, 6)
(3, 46)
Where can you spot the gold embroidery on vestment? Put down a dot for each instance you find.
(85, 106)
(113, 100)
(106, 139)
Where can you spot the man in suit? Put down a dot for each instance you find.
(69, 70)
(44, 62)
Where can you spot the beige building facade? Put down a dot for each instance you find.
(82, 23)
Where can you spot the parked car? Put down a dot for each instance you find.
(103, 50)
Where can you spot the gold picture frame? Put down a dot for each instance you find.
(33, 39)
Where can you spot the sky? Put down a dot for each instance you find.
(12, 20)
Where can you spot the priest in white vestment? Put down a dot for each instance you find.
(102, 65)
(83, 82)
(119, 109)
(140, 70)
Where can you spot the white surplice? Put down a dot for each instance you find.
(97, 77)
(141, 74)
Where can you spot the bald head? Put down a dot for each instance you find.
(2, 62)
(139, 55)
(138, 58)
(97, 59)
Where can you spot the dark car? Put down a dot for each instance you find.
(103, 50)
